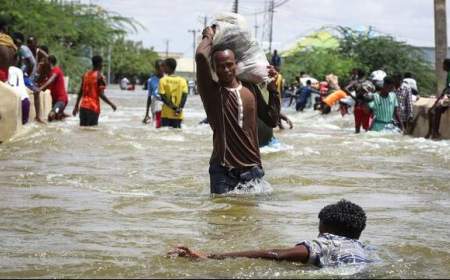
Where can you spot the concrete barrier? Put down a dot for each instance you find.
(421, 108)
(10, 112)
(45, 105)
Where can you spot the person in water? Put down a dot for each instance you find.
(173, 90)
(340, 227)
(153, 99)
(232, 110)
(440, 106)
(91, 91)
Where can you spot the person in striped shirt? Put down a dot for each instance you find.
(385, 107)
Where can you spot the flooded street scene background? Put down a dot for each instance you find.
(111, 201)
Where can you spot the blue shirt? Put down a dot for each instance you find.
(153, 85)
(303, 94)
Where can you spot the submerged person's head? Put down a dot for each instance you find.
(170, 65)
(97, 62)
(325, 108)
(224, 64)
(343, 218)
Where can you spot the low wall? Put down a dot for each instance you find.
(11, 110)
(421, 108)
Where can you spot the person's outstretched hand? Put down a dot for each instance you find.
(182, 251)
(75, 111)
(113, 106)
(147, 119)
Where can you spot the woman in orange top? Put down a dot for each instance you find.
(92, 89)
(332, 99)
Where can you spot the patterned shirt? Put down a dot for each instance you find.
(383, 109)
(404, 96)
(334, 250)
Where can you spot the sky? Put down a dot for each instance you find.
(407, 20)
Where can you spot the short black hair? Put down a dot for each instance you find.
(397, 77)
(388, 80)
(447, 63)
(361, 73)
(18, 36)
(52, 59)
(344, 218)
(171, 63)
(308, 82)
(97, 61)
(407, 75)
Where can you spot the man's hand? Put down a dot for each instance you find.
(75, 111)
(178, 111)
(208, 32)
(113, 106)
(182, 251)
(273, 74)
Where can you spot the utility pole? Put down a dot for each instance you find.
(236, 6)
(271, 11)
(205, 21)
(194, 46)
(440, 38)
(167, 48)
(256, 26)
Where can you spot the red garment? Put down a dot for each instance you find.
(3, 75)
(93, 86)
(158, 119)
(57, 88)
(363, 117)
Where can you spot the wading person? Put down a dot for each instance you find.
(232, 110)
(440, 106)
(55, 83)
(153, 99)
(385, 107)
(340, 227)
(92, 89)
(173, 91)
(7, 50)
(363, 92)
(404, 97)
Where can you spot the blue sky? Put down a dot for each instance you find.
(407, 20)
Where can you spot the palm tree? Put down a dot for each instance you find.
(440, 33)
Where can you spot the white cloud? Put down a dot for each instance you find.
(408, 20)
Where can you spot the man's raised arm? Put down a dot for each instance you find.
(204, 77)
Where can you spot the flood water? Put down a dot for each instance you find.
(110, 202)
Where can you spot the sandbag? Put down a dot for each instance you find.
(10, 112)
(232, 33)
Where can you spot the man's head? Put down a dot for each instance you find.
(52, 59)
(388, 85)
(308, 83)
(398, 79)
(97, 62)
(170, 65)
(159, 67)
(446, 64)
(343, 218)
(275, 52)
(224, 64)
(18, 38)
(325, 108)
(32, 42)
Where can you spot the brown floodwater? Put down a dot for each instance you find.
(110, 202)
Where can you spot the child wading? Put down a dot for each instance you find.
(340, 228)
(92, 89)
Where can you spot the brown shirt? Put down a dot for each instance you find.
(232, 115)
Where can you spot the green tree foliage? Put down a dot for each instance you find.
(362, 50)
(74, 31)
